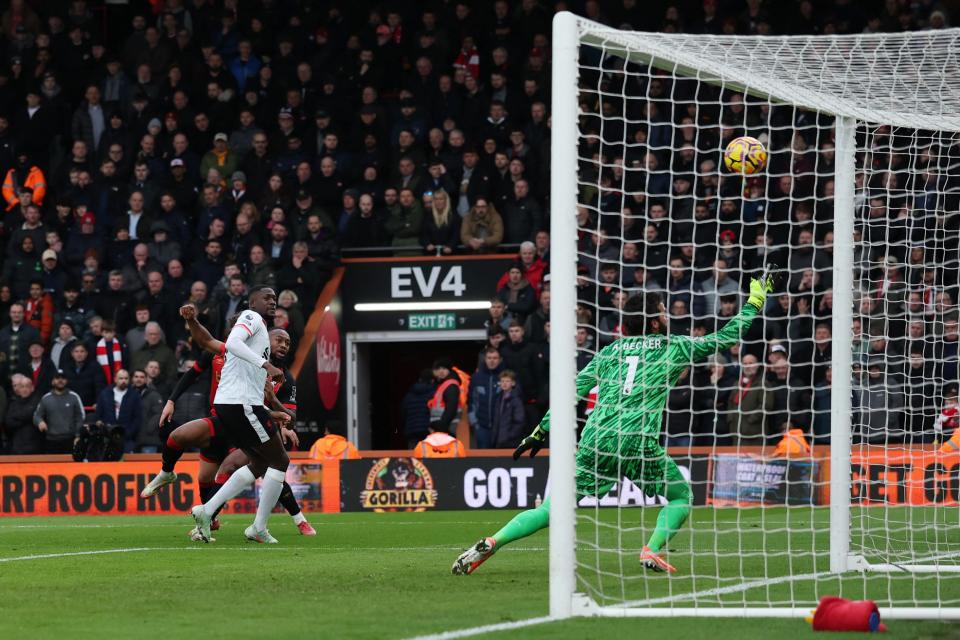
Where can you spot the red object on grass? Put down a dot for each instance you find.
(840, 614)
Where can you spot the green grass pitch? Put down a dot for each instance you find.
(388, 576)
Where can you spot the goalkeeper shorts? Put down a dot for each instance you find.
(643, 461)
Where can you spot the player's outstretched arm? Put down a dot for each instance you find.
(198, 333)
(731, 332)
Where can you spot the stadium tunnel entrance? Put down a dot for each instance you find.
(382, 366)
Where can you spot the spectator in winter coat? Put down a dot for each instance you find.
(823, 403)
(878, 401)
(219, 158)
(38, 368)
(522, 216)
(156, 349)
(89, 120)
(23, 436)
(441, 228)
(749, 404)
(404, 222)
(414, 413)
(321, 240)
(679, 402)
(62, 345)
(260, 271)
(483, 397)
(713, 288)
(53, 278)
(365, 227)
(209, 267)
(38, 311)
(518, 295)
(120, 405)
(81, 241)
(22, 266)
(84, 376)
(531, 265)
(14, 340)
(791, 398)
(133, 338)
(59, 415)
(303, 276)
(535, 326)
(482, 228)
(148, 439)
(509, 418)
(521, 357)
(162, 249)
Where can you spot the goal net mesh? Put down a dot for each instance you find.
(750, 426)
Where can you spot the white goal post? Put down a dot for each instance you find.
(866, 85)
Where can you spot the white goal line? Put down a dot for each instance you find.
(487, 628)
(719, 591)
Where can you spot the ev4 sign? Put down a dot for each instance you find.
(423, 282)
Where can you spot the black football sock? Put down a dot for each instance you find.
(288, 500)
(207, 489)
(217, 483)
(171, 454)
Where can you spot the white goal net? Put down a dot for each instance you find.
(819, 446)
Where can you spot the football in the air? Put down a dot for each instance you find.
(745, 155)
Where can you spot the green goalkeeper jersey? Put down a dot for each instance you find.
(635, 375)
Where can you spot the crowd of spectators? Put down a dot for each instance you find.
(157, 153)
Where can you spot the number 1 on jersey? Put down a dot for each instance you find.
(632, 363)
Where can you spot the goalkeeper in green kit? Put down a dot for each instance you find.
(622, 435)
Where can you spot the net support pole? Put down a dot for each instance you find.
(563, 326)
(842, 349)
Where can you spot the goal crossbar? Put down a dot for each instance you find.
(808, 71)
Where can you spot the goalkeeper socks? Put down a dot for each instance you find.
(240, 480)
(289, 501)
(673, 514)
(524, 524)
(669, 521)
(270, 490)
(171, 454)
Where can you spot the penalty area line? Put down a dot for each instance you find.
(96, 552)
(487, 628)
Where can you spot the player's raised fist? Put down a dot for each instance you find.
(188, 312)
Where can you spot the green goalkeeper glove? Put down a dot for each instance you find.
(532, 443)
(763, 286)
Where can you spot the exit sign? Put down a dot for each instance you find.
(431, 321)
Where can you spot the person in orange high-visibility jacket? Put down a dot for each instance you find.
(792, 444)
(23, 175)
(333, 446)
(439, 444)
(444, 406)
(953, 444)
